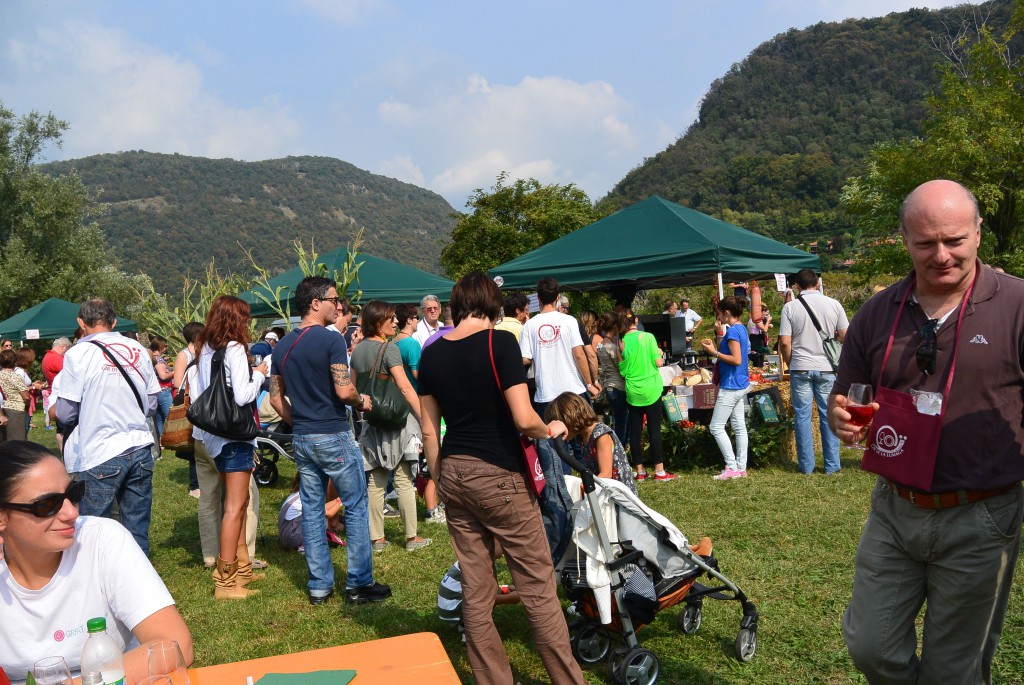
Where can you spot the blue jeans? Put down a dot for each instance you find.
(808, 386)
(163, 408)
(335, 457)
(128, 478)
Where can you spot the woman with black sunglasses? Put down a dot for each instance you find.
(59, 569)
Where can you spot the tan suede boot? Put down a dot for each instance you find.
(245, 572)
(225, 578)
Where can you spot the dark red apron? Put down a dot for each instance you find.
(902, 442)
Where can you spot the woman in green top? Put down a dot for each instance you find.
(639, 366)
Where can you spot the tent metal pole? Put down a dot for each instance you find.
(721, 291)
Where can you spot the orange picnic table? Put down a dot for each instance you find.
(417, 658)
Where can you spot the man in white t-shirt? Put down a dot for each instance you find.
(430, 321)
(551, 343)
(113, 449)
(810, 373)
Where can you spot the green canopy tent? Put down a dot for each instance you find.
(379, 279)
(653, 244)
(53, 318)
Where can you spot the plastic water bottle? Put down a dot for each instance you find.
(102, 660)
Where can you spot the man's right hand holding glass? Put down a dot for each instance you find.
(839, 420)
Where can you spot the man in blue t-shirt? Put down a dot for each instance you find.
(310, 387)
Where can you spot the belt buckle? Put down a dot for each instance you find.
(913, 497)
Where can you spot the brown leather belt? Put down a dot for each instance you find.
(945, 500)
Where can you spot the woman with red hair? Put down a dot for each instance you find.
(227, 328)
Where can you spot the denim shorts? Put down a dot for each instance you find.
(234, 457)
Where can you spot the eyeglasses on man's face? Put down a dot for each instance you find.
(431, 309)
(927, 351)
(50, 505)
(335, 300)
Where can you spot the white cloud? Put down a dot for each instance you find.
(121, 94)
(549, 128)
(344, 12)
(404, 169)
(399, 113)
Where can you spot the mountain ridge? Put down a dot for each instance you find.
(168, 214)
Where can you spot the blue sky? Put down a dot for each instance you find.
(441, 94)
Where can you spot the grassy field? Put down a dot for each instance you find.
(787, 540)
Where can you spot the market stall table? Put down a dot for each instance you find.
(418, 658)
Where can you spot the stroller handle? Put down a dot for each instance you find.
(585, 473)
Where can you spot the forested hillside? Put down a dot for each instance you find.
(170, 214)
(779, 134)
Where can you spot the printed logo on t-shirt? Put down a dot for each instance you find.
(548, 333)
(61, 635)
(124, 354)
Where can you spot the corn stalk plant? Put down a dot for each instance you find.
(166, 315)
(279, 299)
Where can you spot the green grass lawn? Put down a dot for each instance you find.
(787, 540)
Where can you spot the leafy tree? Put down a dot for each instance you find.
(50, 243)
(511, 220)
(971, 134)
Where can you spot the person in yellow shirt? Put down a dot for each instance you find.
(517, 313)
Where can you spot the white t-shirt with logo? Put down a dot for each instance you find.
(104, 573)
(548, 339)
(109, 419)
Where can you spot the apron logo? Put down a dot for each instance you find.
(888, 442)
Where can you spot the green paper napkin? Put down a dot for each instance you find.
(311, 678)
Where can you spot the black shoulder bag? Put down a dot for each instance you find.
(215, 410)
(390, 409)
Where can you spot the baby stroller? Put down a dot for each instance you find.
(273, 441)
(627, 564)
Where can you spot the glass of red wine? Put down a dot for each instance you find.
(861, 412)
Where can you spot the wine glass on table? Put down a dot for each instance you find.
(165, 659)
(858, 405)
(52, 670)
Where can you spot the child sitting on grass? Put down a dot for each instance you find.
(602, 452)
(289, 520)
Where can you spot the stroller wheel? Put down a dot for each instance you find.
(265, 473)
(689, 618)
(590, 644)
(639, 667)
(746, 644)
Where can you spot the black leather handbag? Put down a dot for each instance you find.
(215, 410)
(390, 409)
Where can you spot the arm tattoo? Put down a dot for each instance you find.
(276, 386)
(339, 373)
